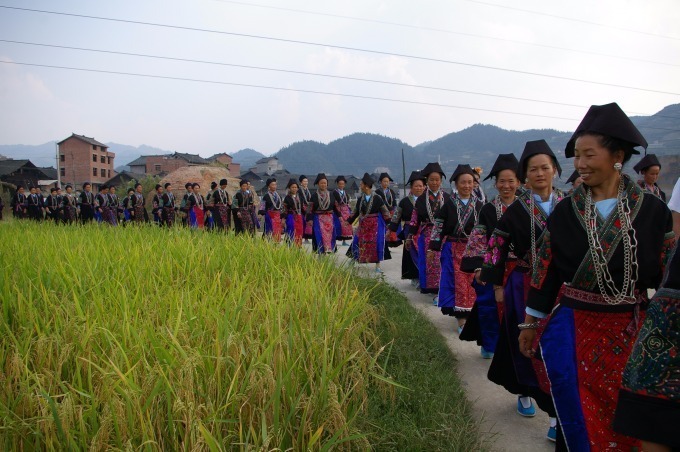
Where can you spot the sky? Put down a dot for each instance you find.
(517, 65)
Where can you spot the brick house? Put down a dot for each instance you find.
(228, 160)
(84, 159)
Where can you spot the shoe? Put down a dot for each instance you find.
(378, 270)
(486, 354)
(530, 411)
(552, 434)
(460, 330)
(435, 301)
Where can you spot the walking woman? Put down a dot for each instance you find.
(244, 210)
(483, 323)
(137, 206)
(390, 200)
(69, 206)
(604, 246)
(271, 209)
(169, 207)
(649, 168)
(519, 230)
(450, 234)
(321, 212)
(306, 198)
(293, 217)
(420, 229)
(342, 211)
(221, 207)
(400, 222)
(368, 245)
(196, 204)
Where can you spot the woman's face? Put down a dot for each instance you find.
(464, 185)
(323, 184)
(594, 162)
(417, 188)
(385, 182)
(651, 174)
(540, 171)
(304, 183)
(365, 189)
(197, 189)
(506, 184)
(272, 187)
(341, 185)
(293, 189)
(434, 181)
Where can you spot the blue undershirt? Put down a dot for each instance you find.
(465, 201)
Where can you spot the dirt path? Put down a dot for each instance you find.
(492, 405)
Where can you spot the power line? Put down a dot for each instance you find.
(354, 49)
(278, 88)
(441, 30)
(287, 71)
(572, 19)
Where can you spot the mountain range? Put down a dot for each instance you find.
(366, 152)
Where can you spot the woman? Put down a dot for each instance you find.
(244, 210)
(101, 204)
(197, 208)
(389, 198)
(575, 180)
(306, 198)
(422, 221)
(650, 168)
(368, 245)
(321, 213)
(649, 402)
(169, 206)
(342, 211)
(483, 322)
(292, 212)
(126, 204)
(137, 206)
(113, 205)
(271, 209)
(69, 205)
(18, 203)
(400, 224)
(519, 230)
(604, 246)
(221, 207)
(450, 235)
(157, 205)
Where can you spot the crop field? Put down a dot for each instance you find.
(142, 338)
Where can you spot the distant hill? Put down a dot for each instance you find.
(247, 158)
(357, 153)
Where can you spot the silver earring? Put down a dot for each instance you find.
(618, 166)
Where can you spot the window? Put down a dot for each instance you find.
(62, 158)
(94, 171)
(94, 158)
(94, 147)
(103, 159)
(62, 171)
(109, 159)
(157, 168)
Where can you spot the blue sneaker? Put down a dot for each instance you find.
(486, 354)
(529, 411)
(552, 434)
(460, 330)
(435, 301)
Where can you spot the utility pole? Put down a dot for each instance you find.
(58, 169)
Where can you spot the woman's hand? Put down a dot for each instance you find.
(478, 274)
(498, 294)
(526, 340)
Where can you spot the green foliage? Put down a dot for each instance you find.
(148, 185)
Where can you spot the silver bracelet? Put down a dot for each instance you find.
(528, 326)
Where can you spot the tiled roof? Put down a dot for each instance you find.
(85, 139)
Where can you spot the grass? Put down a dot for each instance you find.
(163, 340)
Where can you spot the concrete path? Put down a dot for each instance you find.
(492, 405)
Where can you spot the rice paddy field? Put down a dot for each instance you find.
(139, 338)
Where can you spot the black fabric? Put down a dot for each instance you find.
(367, 179)
(647, 161)
(487, 218)
(503, 162)
(319, 177)
(573, 177)
(463, 169)
(648, 418)
(430, 168)
(608, 120)
(532, 148)
(415, 175)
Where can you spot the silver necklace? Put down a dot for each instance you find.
(324, 199)
(471, 204)
(370, 204)
(630, 264)
(275, 199)
(438, 199)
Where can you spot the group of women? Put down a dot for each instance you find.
(554, 287)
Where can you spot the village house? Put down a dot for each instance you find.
(84, 159)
